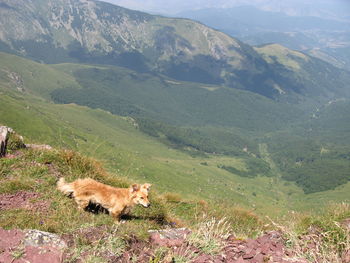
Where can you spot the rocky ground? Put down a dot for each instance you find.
(99, 244)
(20, 246)
(168, 245)
(35, 246)
(23, 200)
(17, 246)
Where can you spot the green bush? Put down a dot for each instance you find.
(15, 142)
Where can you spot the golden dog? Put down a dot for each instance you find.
(115, 200)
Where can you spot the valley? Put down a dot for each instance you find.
(247, 148)
(189, 161)
(175, 102)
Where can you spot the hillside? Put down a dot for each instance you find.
(247, 148)
(196, 107)
(121, 144)
(161, 105)
(324, 36)
(100, 33)
(300, 70)
(123, 148)
(31, 204)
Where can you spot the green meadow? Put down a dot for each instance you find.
(252, 179)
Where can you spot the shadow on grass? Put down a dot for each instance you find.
(158, 219)
(98, 209)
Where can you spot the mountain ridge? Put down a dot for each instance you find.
(101, 33)
(190, 87)
(320, 37)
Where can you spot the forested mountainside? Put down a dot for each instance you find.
(188, 86)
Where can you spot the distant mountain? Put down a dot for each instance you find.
(256, 27)
(242, 18)
(95, 32)
(330, 9)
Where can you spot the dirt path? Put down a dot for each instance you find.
(264, 152)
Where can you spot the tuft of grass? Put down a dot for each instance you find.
(15, 142)
(20, 218)
(159, 255)
(95, 259)
(6, 167)
(210, 234)
(318, 238)
(15, 185)
(17, 253)
(111, 244)
(172, 197)
(245, 223)
(183, 254)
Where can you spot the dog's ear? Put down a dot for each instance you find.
(135, 188)
(147, 186)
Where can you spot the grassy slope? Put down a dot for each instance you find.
(37, 78)
(128, 152)
(176, 102)
(36, 171)
(224, 116)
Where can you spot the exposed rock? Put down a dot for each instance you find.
(4, 136)
(267, 248)
(15, 143)
(34, 246)
(172, 237)
(17, 80)
(37, 238)
(38, 246)
(39, 146)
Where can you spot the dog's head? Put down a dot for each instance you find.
(140, 194)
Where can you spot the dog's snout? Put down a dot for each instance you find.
(148, 205)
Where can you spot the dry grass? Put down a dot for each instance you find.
(172, 197)
(209, 234)
(111, 244)
(320, 239)
(15, 142)
(245, 223)
(183, 254)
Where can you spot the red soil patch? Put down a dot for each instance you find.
(89, 235)
(23, 200)
(14, 247)
(14, 155)
(269, 247)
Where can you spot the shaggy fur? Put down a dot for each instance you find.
(115, 200)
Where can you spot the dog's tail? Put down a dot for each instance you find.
(64, 187)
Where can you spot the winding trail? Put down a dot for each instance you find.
(264, 152)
